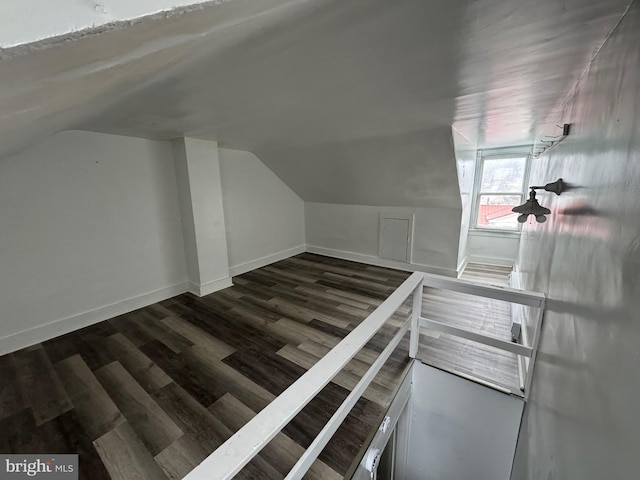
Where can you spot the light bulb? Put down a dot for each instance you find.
(522, 218)
(541, 218)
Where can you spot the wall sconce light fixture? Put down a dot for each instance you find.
(532, 207)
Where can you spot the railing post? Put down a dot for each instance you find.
(534, 351)
(416, 313)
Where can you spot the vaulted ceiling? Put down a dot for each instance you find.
(298, 81)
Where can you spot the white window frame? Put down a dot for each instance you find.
(493, 154)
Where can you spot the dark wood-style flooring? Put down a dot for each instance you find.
(151, 393)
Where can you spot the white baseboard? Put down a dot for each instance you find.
(41, 333)
(462, 265)
(209, 287)
(381, 262)
(264, 261)
(499, 262)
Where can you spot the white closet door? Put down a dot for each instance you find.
(395, 237)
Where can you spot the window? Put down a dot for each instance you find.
(499, 187)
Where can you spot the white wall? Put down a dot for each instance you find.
(90, 227)
(459, 430)
(581, 420)
(492, 248)
(264, 218)
(351, 232)
(346, 185)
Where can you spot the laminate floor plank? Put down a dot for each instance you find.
(237, 335)
(307, 312)
(371, 272)
(360, 296)
(85, 342)
(376, 277)
(246, 289)
(329, 328)
(247, 391)
(216, 348)
(294, 274)
(316, 307)
(142, 327)
(385, 290)
(297, 333)
(147, 374)
(191, 417)
(282, 452)
(203, 388)
(39, 385)
(151, 424)
(10, 399)
(208, 430)
(182, 456)
(246, 303)
(319, 293)
(95, 409)
(64, 434)
(125, 457)
(267, 369)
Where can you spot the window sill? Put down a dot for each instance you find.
(494, 233)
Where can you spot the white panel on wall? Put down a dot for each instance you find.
(492, 248)
(396, 233)
(90, 229)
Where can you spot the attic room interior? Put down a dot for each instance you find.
(223, 222)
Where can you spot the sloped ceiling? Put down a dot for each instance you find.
(334, 96)
(410, 169)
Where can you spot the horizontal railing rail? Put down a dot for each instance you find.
(507, 294)
(238, 450)
(476, 337)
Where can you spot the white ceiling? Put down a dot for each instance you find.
(292, 78)
(28, 21)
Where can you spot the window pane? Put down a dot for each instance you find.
(495, 212)
(502, 175)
